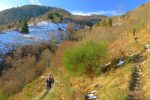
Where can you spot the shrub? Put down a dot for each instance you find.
(85, 58)
(3, 96)
(132, 59)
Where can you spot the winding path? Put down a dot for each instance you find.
(136, 83)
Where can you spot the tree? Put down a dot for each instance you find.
(71, 31)
(55, 17)
(109, 22)
(24, 28)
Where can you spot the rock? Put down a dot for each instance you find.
(105, 65)
(43, 77)
(140, 73)
(147, 47)
(93, 92)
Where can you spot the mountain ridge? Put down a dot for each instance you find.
(25, 12)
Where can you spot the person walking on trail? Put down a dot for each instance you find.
(49, 81)
(48, 84)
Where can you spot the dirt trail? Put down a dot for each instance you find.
(136, 83)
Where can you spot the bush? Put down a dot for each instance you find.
(3, 96)
(132, 59)
(85, 58)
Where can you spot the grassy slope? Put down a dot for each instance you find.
(69, 87)
(146, 87)
(113, 85)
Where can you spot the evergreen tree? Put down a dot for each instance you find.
(24, 28)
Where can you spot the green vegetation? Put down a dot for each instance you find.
(85, 58)
(19, 13)
(24, 28)
(29, 11)
(57, 15)
(3, 96)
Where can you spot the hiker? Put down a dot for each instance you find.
(49, 81)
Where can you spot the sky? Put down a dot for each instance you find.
(80, 7)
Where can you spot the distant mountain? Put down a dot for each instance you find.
(25, 12)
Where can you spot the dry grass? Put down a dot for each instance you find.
(146, 67)
(25, 65)
(68, 87)
(101, 34)
(113, 85)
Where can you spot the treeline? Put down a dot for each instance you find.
(56, 15)
(85, 20)
(26, 12)
(13, 18)
(19, 13)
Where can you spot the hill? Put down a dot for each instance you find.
(108, 58)
(26, 12)
(141, 13)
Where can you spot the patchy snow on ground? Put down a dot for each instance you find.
(121, 62)
(41, 32)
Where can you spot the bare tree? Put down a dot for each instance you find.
(19, 72)
(119, 13)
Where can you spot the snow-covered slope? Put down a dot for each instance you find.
(41, 32)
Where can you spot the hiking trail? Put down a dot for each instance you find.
(136, 82)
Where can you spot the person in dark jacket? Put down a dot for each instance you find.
(49, 81)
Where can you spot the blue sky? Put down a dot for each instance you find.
(81, 7)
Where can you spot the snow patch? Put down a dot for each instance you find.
(91, 95)
(41, 32)
(121, 62)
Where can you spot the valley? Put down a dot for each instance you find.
(83, 57)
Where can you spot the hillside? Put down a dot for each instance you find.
(11, 18)
(139, 14)
(112, 85)
(110, 59)
(29, 11)
(138, 18)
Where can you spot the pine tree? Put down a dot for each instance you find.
(24, 28)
